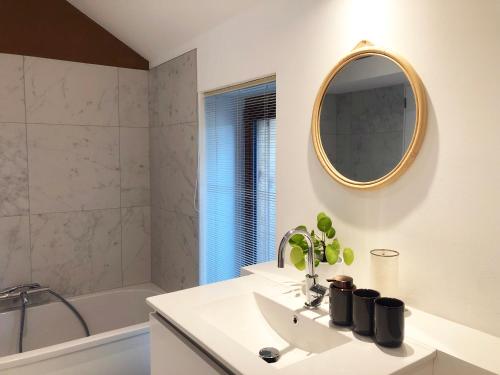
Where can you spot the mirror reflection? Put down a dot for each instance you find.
(367, 118)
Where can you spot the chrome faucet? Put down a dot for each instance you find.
(314, 291)
(18, 290)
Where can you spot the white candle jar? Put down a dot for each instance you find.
(384, 272)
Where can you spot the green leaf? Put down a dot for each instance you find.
(303, 244)
(332, 254)
(320, 216)
(296, 239)
(296, 254)
(336, 245)
(301, 266)
(318, 250)
(324, 224)
(330, 233)
(297, 258)
(348, 256)
(316, 262)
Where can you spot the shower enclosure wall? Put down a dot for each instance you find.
(75, 201)
(74, 167)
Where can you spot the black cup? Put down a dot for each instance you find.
(389, 322)
(363, 306)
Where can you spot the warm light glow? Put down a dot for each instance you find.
(369, 19)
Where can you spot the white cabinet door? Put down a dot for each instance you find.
(446, 364)
(171, 353)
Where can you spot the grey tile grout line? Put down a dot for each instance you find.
(150, 161)
(121, 171)
(4, 123)
(196, 122)
(155, 253)
(198, 179)
(195, 215)
(27, 168)
(75, 211)
(160, 276)
(18, 215)
(77, 125)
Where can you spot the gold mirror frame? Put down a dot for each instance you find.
(365, 49)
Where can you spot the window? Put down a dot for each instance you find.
(238, 188)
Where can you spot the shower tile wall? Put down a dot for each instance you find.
(174, 150)
(74, 175)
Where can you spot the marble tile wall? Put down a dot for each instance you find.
(74, 175)
(174, 158)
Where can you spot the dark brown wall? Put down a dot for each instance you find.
(56, 29)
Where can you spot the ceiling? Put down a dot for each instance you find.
(153, 27)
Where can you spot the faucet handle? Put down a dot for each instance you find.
(320, 292)
(319, 289)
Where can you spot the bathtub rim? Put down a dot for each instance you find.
(83, 343)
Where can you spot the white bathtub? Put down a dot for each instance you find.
(55, 343)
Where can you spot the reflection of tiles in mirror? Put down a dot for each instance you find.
(365, 133)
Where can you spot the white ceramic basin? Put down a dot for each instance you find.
(256, 321)
(234, 319)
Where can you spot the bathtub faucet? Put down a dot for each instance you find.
(12, 289)
(22, 290)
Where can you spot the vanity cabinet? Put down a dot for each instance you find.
(173, 353)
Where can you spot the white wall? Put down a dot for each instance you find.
(443, 215)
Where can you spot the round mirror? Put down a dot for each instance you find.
(368, 119)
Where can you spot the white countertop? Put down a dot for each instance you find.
(468, 344)
(181, 309)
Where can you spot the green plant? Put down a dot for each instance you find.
(326, 246)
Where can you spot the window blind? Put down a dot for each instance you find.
(238, 200)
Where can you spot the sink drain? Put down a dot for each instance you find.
(269, 354)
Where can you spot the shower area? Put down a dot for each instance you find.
(98, 169)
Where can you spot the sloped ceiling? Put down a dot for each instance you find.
(152, 27)
(57, 30)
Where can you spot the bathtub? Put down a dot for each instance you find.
(55, 343)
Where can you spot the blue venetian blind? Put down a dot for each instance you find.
(238, 190)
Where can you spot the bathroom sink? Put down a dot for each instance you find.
(231, 321)
(255, 321)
